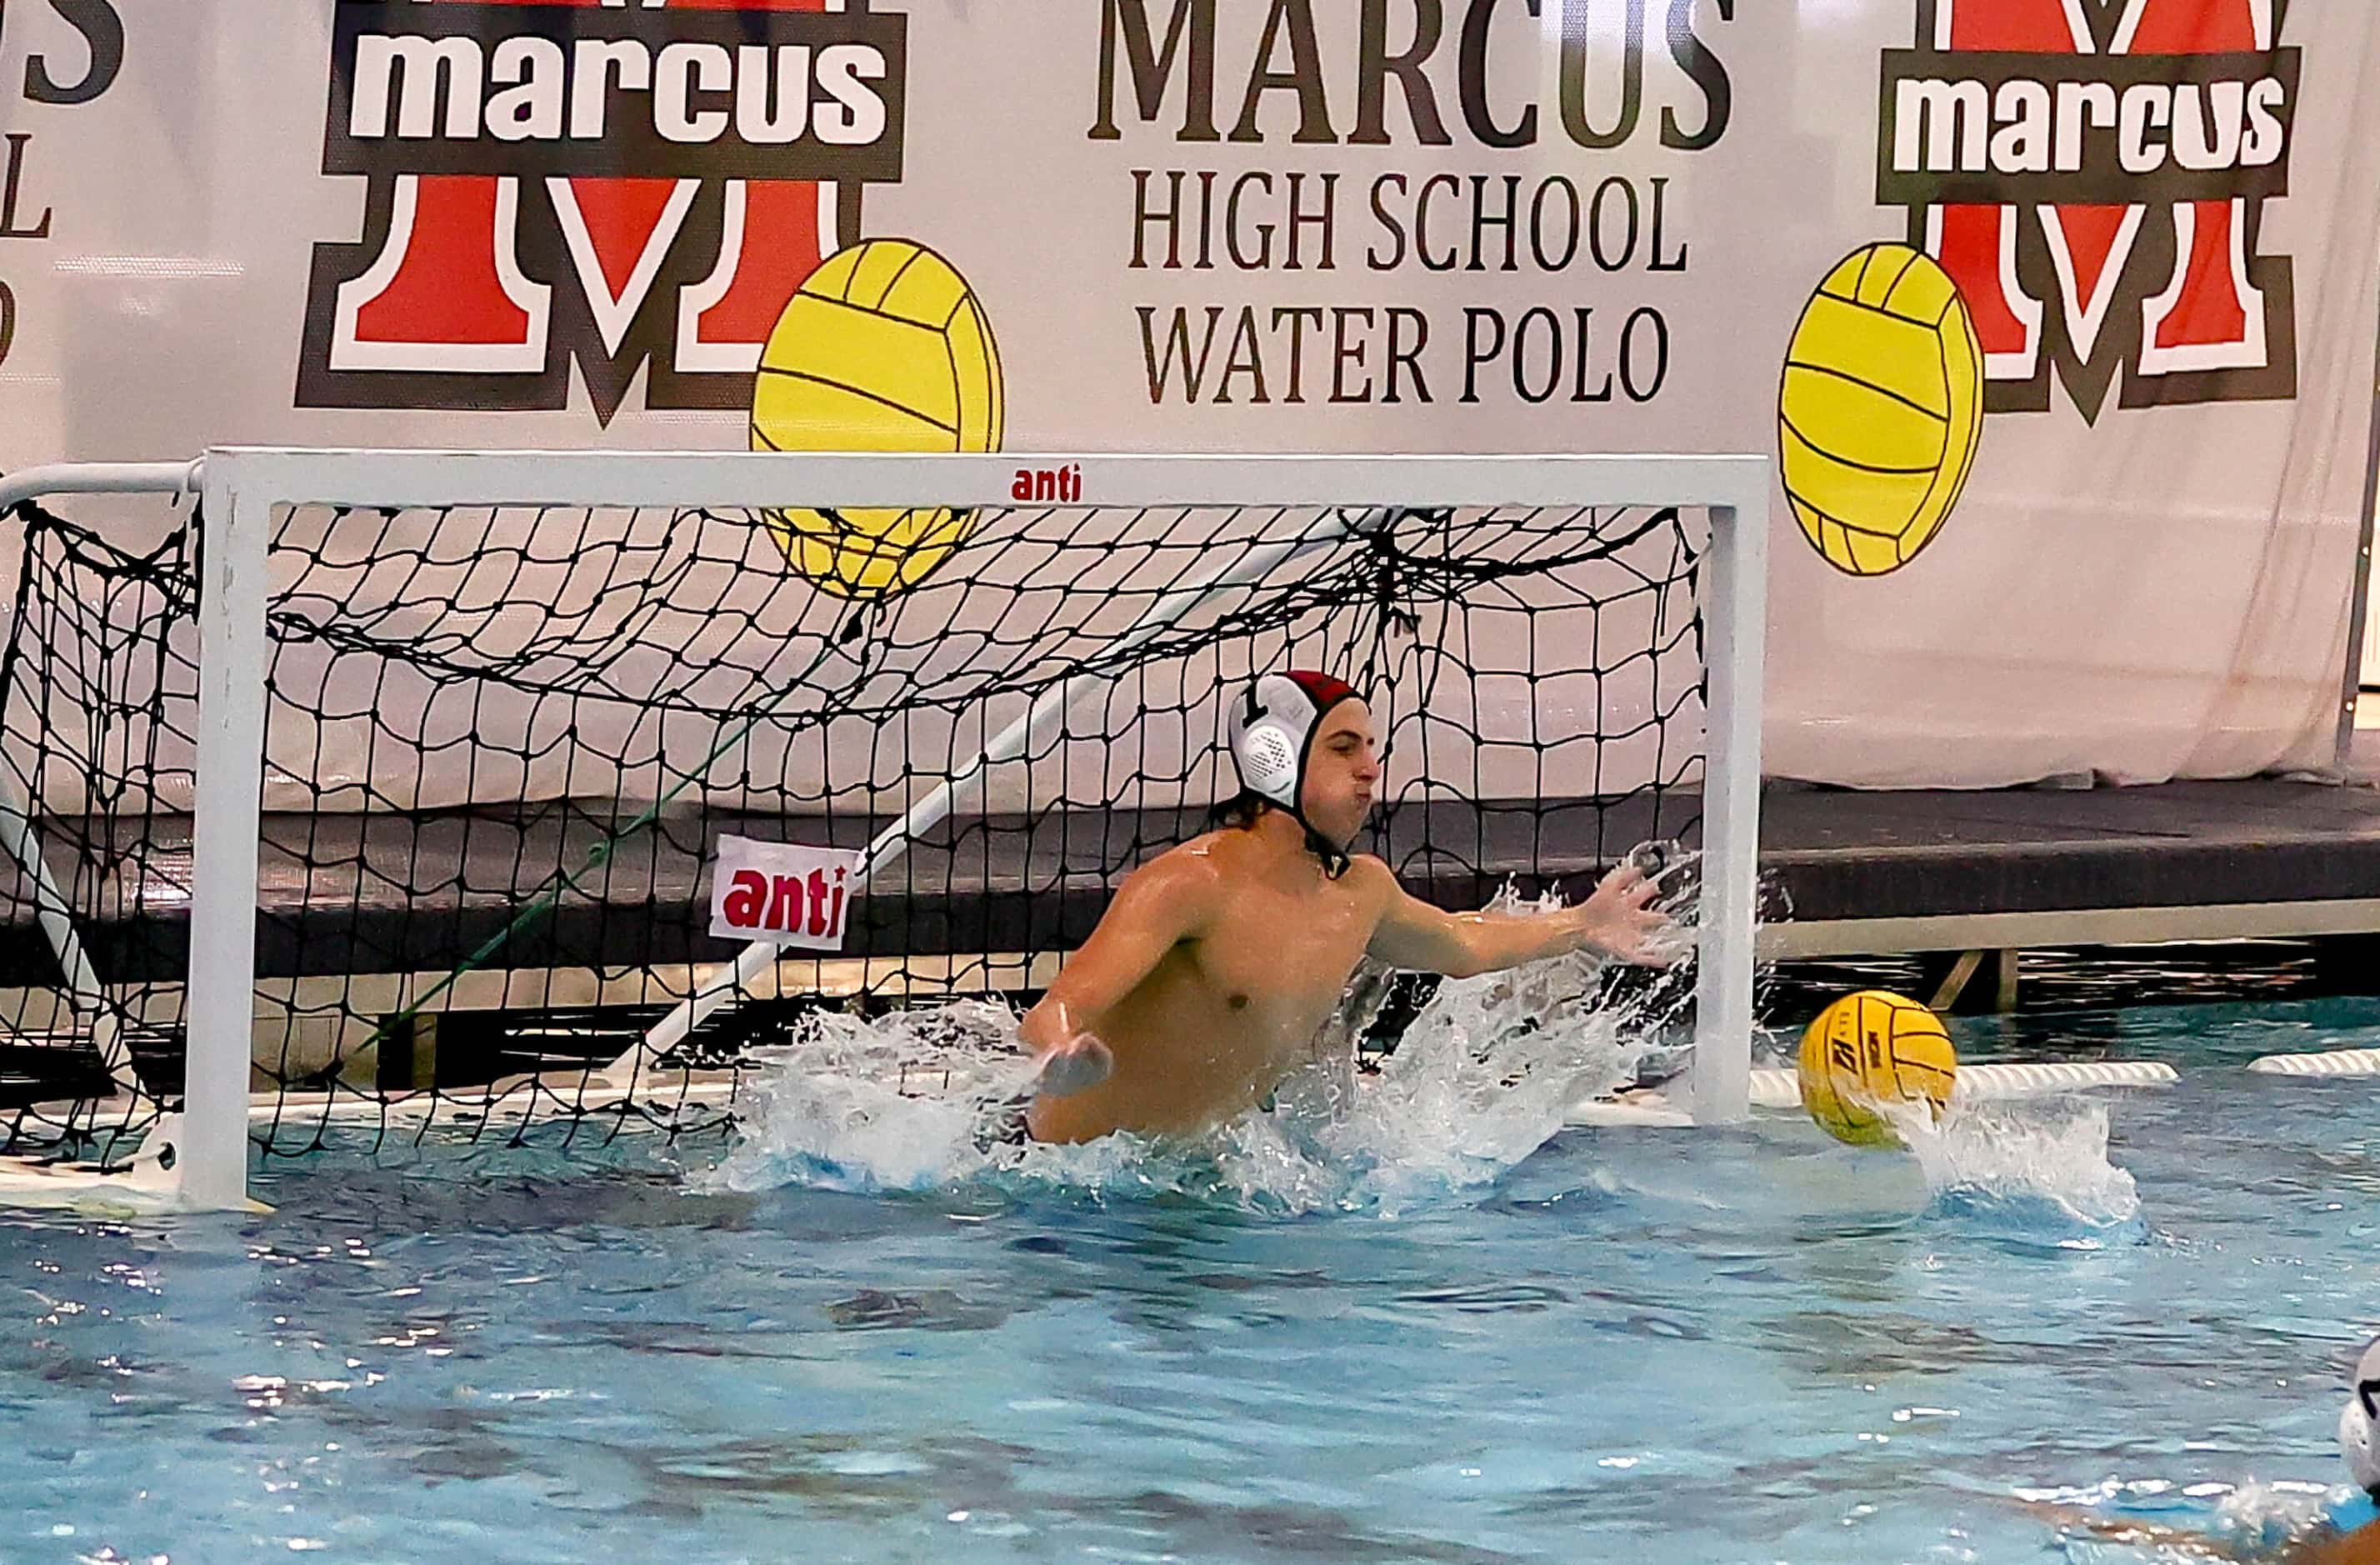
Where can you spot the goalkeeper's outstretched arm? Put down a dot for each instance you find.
(1618, 921)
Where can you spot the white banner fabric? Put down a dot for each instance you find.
(2059, 314)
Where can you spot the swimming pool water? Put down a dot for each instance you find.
(1634, 1346)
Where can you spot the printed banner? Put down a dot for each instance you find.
(2057, 315)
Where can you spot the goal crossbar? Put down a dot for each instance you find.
(395, 479)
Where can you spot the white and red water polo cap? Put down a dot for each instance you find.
(1272, 730)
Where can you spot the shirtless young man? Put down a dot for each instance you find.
(1215, 966)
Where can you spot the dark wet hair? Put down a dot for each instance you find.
(1240, 810)
(1243, 809)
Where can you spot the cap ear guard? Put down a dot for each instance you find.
(1268, 762)
(1269, 734)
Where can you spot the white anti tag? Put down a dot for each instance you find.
(783, 893)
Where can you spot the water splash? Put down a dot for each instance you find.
(2036, 1171)
(2156, 1519)
(904, 1102)
(1484, 1077)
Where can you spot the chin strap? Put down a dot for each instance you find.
(1334, 859)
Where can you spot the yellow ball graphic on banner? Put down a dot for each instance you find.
(1881, 408)
(1873, 1048)
(884, 348)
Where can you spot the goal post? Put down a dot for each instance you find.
(1240, 536)
(52, 910)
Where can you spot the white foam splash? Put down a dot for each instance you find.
(2189, 1521)
(1483, 1078)
(2272, 1515)
(896, 1103)
(2041, 1163)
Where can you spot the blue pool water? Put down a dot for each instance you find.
(1632, 1346)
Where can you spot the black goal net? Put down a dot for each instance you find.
(503, 743)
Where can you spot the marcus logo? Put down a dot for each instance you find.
(620, 186)
(2093, 174)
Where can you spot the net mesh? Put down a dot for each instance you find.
(503, 742)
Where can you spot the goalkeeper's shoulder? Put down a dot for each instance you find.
(1192, 874)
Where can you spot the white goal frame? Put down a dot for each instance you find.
(242, 487)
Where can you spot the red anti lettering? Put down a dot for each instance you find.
(746, 899)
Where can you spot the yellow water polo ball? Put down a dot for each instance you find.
(1873, 1048)
(884, 347)
(1881, 408)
